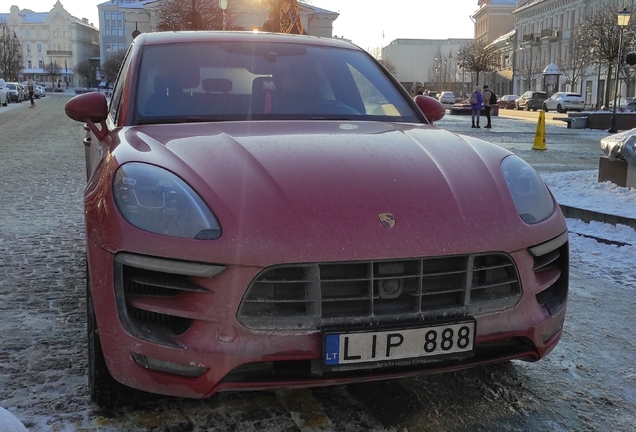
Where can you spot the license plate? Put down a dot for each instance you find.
(427, 342)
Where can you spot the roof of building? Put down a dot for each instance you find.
(30, 17)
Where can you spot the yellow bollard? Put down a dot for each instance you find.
(539, 136)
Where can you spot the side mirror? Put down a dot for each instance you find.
(90, 108)
(431, 107)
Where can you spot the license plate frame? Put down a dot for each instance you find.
(389, 338)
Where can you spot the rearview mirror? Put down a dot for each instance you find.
(431, 107)
(88, 106)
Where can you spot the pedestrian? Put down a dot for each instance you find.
(31, 89)
(488, 96)
(420, 91)
(476, 100)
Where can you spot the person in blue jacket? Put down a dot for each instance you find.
(476, 99)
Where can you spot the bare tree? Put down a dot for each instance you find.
(84, 70)
(10, 53)
(113, 64)
(389, 66)
(577, 58)
(602, 28)
(478, 57)
(52, 69)
(529, 67)
(187, 15)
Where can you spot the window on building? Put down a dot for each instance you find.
(39, 47)
(107, 30)
(120, 31)
(29, 64)
(107, 16)
(113, 16)
(28, 47)
(119, 16)
(121, 47)
(107, 47)
(41, 64)
(27, 32)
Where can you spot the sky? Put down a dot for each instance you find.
(363, 21)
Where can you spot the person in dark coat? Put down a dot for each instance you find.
(487, 105)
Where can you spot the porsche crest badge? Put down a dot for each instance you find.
(387, 219)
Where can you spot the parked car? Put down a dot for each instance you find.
(213, 262)
(531, 100)
(623, 104)
(507, 101)
(15, 93)
(4, 93)
(25, 92)
(41, 91)
(446, 98)
(563, 102)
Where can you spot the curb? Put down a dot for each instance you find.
(591, 215)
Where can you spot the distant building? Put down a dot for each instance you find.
(428, 63)
(118, 20)
(52, 42)
(493, 19)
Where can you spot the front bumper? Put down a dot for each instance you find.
(192, 345)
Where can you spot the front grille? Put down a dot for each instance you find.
(313, 296)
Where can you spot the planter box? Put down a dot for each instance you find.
(603, 120)
(618, 172)
(464, 109)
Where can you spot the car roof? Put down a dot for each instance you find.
(161, 38)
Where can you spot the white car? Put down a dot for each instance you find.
(564, 101)
(446, 98)
(4, 93)
(39, 91)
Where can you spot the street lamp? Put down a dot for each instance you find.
(223, 4)
(461, 65)
(623, 21)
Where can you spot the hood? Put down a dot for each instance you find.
(315, 191)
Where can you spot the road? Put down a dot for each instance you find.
(587, 384)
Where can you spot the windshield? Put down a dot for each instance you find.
(240, 81)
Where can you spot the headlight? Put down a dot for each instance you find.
(530, 194)
(158, 201)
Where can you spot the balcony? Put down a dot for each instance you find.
(53, 53)
(530, 39)
(550, 35)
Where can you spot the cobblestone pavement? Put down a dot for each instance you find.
(587, 384)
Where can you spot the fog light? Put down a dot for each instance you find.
(547, 335)
(168, 367)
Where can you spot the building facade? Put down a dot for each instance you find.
(493, 19)
(428, 63)
(53, 43)
(119, 19)
(538, 52)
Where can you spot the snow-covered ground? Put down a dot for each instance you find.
(581, 189)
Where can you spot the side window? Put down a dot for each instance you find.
(118, 90)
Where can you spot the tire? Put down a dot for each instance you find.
(545, 108)
(104, 390)
(528, 107)
(560, 108)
